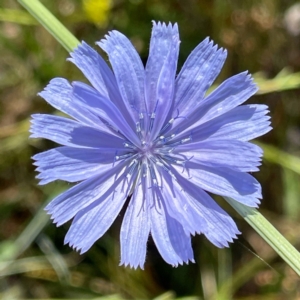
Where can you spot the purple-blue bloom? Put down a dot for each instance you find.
(156, 137)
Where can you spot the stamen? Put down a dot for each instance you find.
(132, 167)
(169, 137)
(168, 170)
(163, 151)
(168, 125)
(144, 169)
(179, 117)
(162, 139)
(171, 159)
(171, 121)
(129, 179)
(141, 117)
(153, 159)
(152, 117)
(117, 157)
(138, 130)
(153, 175)
(182, 141)
(184, 168)
(126, 145)
(138, 127)
(185, 140)
(175, 144)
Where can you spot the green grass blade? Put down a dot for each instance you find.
(284, 159)
(58, 30)
(285, 80)
(268, 232)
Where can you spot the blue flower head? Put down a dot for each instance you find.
(155, 138)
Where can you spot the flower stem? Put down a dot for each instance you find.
(57, 29)
(268, 232)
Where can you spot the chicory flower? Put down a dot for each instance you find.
(153, 137)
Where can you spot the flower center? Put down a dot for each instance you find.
(146, 150)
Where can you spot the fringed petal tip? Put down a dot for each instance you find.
(164, 26)
(135, 266)
(109, 38)
(132, 265)
(212, 46)
(183, 262)
(34, 125)
(248, 78)
(227, 245)
(83, 49)
(54, 218)
(32, 120)
(78, 249)
(42, 181)
(54, 87)
(34, 130)
(257, 200)
(224, 243)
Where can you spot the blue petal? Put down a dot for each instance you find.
(58, 93)
(173, 244)
(241, 156)
(163, 39)
(242, 123)
(128, 69)
(135, 228)
(99, 75)
(93, 190)
(205, 215)
(72, 164)
(197, 74)
(224, 182)
(164, 95)
(71, 133)
(94, 220)
(178, 207)
(231, 93)
(94, 68)
(195, 210)
(105, 109)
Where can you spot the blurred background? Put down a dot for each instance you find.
(262, 36)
